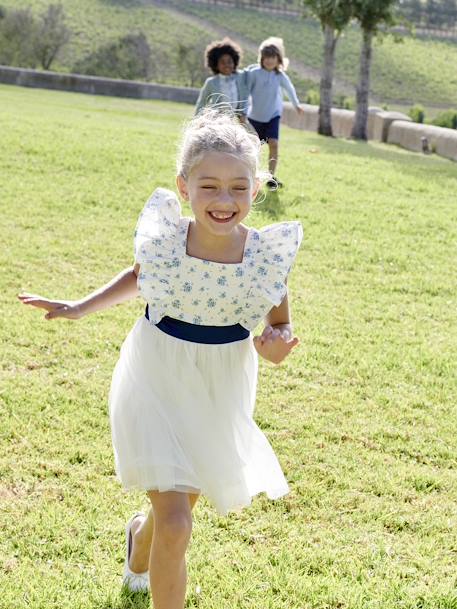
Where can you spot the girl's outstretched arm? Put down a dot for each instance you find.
(121, 288)
(277, 340)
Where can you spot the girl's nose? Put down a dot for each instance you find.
(225, 196)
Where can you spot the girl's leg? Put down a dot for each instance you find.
(273, 152)
(142, 530)
(167, 564)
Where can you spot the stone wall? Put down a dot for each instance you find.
(390, 127)
(95, 85)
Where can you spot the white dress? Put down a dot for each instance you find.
(182, 412)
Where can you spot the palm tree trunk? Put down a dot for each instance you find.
(359, 130)
(325, 105)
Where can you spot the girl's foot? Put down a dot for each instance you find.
(136, 575)
(274, 183)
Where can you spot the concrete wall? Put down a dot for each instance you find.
(390, 127)
(438, 139)
(95, 85)
(342, 120)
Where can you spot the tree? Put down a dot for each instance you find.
(334, 16)
(128, 57)
(52, 35)
(190, 59)
(18, 38)
(370, 14)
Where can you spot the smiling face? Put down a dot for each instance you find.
(220, 189)
(225, 65)
(270, 62)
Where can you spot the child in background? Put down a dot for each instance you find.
(265, 82)
(183, 391)
(228, 86)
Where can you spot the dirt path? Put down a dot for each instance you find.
(340, 86)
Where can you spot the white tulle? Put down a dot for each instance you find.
(181, 419)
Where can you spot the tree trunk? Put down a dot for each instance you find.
(325, 105)
(359, 130)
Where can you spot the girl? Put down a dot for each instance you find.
(228, 85)
(183, 390)
(264, 82)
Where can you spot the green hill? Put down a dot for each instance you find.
(413, 71)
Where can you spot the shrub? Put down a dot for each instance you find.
(18, 35)
(191, 65)
(27, 42)
(52, 35)
(129, 58)
(417, 113)
(313, 97)
(448, 119)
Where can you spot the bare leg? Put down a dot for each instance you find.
(142, 530)
(167, 564)
(273, 155)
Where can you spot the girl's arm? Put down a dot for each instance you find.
(121, 288)
(277, 340)
(202, 97)
(289, 88)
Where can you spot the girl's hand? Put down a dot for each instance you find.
(275, 343)
(69, 309)
(300, 110)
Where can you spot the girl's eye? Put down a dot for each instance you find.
(209, 187)
(240, 188)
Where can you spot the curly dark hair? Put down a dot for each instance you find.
(216, 49)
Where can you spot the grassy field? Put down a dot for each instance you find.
(362, 416)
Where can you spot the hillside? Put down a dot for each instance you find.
(413, 71)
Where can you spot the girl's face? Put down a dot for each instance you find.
(220, 189)
(225, 65)
(270, 63)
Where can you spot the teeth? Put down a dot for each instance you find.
(221, 215)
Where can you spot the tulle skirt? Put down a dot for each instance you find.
(181, 419)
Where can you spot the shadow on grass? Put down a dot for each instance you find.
(126, 600)
(413, 162)
(271, 205)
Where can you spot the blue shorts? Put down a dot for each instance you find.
(267, 131)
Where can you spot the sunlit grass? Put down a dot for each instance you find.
(362, 416)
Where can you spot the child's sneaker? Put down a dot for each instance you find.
(274, 183)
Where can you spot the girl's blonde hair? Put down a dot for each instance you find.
(274, 47)
(216, 129)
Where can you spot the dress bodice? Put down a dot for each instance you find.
(203, 292)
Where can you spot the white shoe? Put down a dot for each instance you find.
(135, 582)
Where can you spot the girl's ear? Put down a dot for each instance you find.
(256, 188)
(182, 187)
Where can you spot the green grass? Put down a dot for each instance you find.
(414, 71)
(362, 416)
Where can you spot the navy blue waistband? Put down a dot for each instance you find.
(194, 333)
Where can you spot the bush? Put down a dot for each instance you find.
(190, 62)
(342, 101)
(313, 97)
(18, 36)
(128, 58)
(448, 119)
(417, 113)
(52, 35)
(27, 42)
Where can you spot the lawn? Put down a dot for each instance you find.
(362, 415)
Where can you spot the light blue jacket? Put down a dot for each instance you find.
(265, 89)
(211, 93)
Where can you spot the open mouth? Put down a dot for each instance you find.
(222, 216)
